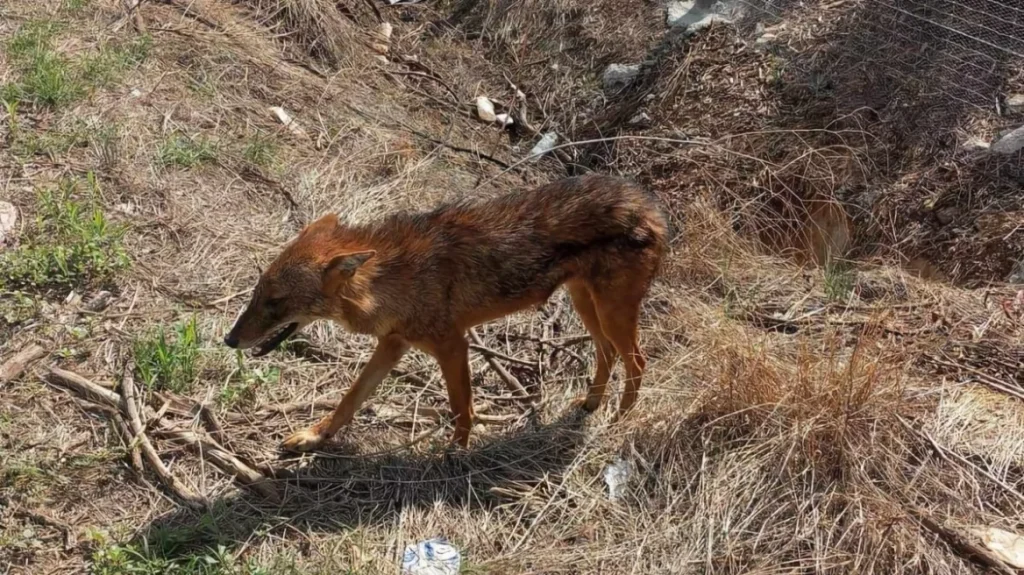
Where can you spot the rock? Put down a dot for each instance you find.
(485, 109)
(1015, 103)
(641, 118)
(8, 219)
(677, 11)
(1017, 273)
(1006, 545)
(1010, 142)
(688, 15)
(706, 22)
(617, 76)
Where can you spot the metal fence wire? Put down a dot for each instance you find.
(956, 54)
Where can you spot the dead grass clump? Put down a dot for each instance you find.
(829, 406)
(319, 26)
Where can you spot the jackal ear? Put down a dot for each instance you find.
(325, 222)
(347, 264)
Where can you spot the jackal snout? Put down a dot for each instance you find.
(295, 289)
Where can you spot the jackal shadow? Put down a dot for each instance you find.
(339, 490)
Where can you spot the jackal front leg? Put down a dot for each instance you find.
(389, 350)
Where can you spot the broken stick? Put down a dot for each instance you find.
(138, 429)
(513, 383)
(14, 367)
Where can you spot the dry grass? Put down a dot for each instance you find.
(795, 419)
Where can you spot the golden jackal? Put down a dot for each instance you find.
(424, 279)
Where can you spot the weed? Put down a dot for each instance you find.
(51, 143)
(245, 382)
(840, 278)
(74, 6)
(73, 242)
(113, 59)
(49, 78)
(260, 152)
(163, 362)
(186, 152)
(106, 146)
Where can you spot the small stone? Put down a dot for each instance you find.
(135, 93)
(1017, 273)
(485, 109)
(8, 219)
(619, 75)
(1015, 103)
(1010, 142)
(640, 118)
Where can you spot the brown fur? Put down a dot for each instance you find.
(423, 280)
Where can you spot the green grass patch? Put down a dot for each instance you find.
(261, 152)
(167, 360)
(219, 560)
(49, 78)
(840, 279)
(245, 382)
(71, 244)
(185, 152)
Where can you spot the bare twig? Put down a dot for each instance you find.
(513, 383)
(137, 426)
(961, 544)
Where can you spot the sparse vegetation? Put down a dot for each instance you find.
(800, 413)
(185, 152)
(260, 152)
(73, 242)
(167, 361)
(245, 381)
(48, 77)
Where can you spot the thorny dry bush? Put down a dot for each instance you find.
(794, 418)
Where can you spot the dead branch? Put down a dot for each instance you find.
(138, 429)
(85, 388)
(15, 366)
(513, 383)
(961, 544)
(492, 353)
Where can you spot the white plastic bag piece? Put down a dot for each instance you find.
(431, 557)
(615, 477)
(542, 147)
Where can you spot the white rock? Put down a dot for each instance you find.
(485, 109)
(618, 75)
(677, 12)
(8, 219)
(503, 120)
(1015, 103)
(1006, 545)
(135, 93)
(286, 119)
(1010, 142)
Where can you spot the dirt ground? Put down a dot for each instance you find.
(836, 370)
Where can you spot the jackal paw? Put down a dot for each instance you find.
(301, 441)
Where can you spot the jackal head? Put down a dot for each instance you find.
(302, 285)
